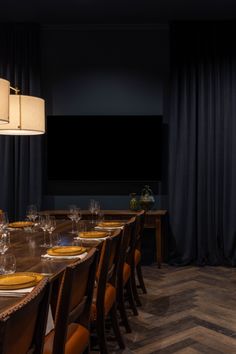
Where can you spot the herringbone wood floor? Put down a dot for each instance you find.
(187, 310)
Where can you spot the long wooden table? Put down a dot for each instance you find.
(154, 219)
(25, 245)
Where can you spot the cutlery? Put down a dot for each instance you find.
(13, 294)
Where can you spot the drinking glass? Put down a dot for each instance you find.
(100, 217)
(51, 227)
(73, 215)
(31, 213)
(8, 263)
(44, 224)
(3, 221)
(92, 208)
(97, 209)
(4, 242)
(77, 218)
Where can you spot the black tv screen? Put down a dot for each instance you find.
(103, 149)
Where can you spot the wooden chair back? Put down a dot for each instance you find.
(140, 219)
(75, 298)
(108, 266)
(22, 326)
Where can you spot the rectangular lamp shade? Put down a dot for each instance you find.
(26, 116)
(4, 101)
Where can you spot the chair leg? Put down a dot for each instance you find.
(87, 350)
(101, 336)
(123, 314)
(131, 297)
(134, 290)
(140, 278)
(116, 327)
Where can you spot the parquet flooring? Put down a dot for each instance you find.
(188, 310)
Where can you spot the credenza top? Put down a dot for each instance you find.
(109, 212)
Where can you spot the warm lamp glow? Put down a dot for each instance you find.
(4, 101)
(26, 116)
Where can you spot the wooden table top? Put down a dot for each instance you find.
(25, 245)
(106, 212)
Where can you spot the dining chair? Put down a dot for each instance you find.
(124, 272)
(137, 270)
(105, 293)
(23, 325)
(71, 333)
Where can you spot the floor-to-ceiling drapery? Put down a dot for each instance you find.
(202, 143)
(20, 157)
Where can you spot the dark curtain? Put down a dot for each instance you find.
(20, 156)
(202, 145)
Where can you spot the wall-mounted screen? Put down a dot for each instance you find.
(100, 149)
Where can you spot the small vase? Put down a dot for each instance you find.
(147, 199)
(133, 204)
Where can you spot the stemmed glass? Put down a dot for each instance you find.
(92, 208)
(31, 213)
(97, 209)
(4, 245)
(74, 215)
(44, 224)
(51, 227)
(4, 242)
(3, 221)
(77, 218)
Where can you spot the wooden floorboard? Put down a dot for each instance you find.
(187, 310)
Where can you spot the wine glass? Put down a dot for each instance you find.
(3, 221)
(44, 224)
(4, 245)
(92, 208)
(51, 227)
(77, 217)
(8, 262)
(31, 212)
(4, 242)
(97, 209)
(72, 215)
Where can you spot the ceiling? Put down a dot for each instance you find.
(115, 11)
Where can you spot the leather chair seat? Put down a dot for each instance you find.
(137, 256)
(126, 272)
(110, 298)
(76, 341)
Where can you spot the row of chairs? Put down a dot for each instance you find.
(91, 291)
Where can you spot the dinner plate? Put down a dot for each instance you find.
(21, 224)
(19, 280)
(66, 251)
(92, 234)
(111, 224)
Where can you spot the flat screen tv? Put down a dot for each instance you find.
(102, 154)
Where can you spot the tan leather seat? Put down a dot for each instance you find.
(76, 340)
(109, 299)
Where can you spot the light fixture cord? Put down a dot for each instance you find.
(19, 112)
(17, 91)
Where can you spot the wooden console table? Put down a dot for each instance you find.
(154, 219)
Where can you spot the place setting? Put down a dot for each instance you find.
(85, 233)
(18, 284)
(109, 225)
(65, 252)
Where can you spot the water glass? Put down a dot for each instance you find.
(8, 263)
(4, 242)
(3, 221)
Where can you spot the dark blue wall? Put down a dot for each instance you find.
(104, 70)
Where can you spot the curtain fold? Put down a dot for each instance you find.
(202, 145)
(20, 156)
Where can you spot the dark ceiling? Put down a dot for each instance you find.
(115, 11)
